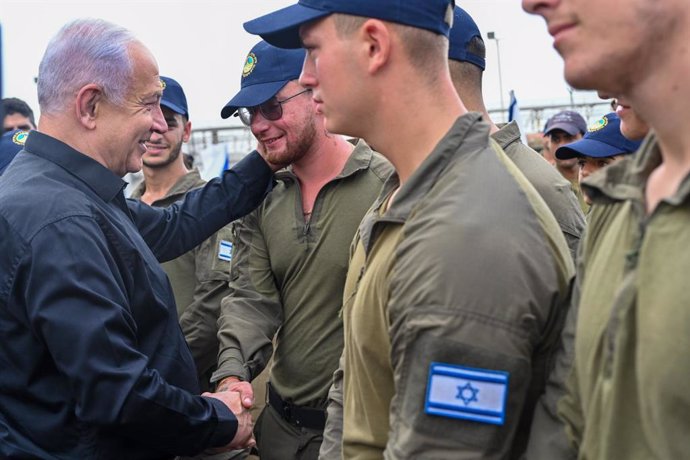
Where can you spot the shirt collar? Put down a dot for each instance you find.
(468, 131)
(507, 134)
(359, 160)
(99, 178)
(184, 184)
(625, 179)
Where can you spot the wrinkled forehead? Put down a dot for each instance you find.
(145, 76)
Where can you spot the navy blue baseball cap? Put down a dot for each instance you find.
(281, 28)
(603, 139)
(173, 97)
(569, 121)
(266, 70)
(10, 145)
(461, 34)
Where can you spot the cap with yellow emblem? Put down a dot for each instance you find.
(266, 70)
(603, 139)
(281, 28)
(10, 145)
(173, 97)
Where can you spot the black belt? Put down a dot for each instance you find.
(307, 417)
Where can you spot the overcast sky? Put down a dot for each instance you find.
(202, 44)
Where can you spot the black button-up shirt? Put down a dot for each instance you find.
(92, 360)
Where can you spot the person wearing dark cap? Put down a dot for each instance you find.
(11, 144)
(466, 56)
(561, 129)
(459, 273)
(602, 145)
(93, 360)
(627, 392)
(198, 277)
(16, 115)
(290, 255)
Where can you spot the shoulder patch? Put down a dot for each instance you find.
(466, 393)
(225, 250)
(19, 137)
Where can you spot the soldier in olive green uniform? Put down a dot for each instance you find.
(467, 62)
(459, 277)
(627, 390)
(290, 255)
(198, 278)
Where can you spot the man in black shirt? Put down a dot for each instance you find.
(94, 363)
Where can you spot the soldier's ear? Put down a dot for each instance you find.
(88, 104)
(375, 39)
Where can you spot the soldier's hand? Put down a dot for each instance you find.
(244, 437)
(243, 388)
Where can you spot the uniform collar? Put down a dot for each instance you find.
(359, 160)
(627, 178)
(507, 134)
(99, 178)
(468, 134)
(184, 184)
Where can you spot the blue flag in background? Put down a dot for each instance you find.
(514, 115)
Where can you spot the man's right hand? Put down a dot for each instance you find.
(244, 437)
(243, 388)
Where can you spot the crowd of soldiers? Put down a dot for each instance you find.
(390, 274)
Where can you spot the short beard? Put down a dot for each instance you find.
(297, 150)
(174, 155)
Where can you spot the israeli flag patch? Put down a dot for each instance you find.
(225, 250)
(479, 395)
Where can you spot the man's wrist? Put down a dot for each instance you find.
(227, 381)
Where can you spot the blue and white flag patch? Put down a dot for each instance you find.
(225, 250)
(479, 395)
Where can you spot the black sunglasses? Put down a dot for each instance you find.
(271, 110)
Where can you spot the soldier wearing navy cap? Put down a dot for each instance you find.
(198, 277)
(290, 255)
(561, 129)
(603, 144)
(627, 390)
(459, 273)
(466, 56)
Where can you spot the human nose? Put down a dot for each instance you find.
(259, 123)
(156, 136)
(159, 124)
(538, 6)
(307, 77)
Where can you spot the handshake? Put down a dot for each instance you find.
(239, 397)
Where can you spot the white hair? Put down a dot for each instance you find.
(85, 51)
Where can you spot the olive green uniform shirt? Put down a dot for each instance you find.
(469, 268)
(628, 392)
(287, 278)
(556, 190)
(199, 281)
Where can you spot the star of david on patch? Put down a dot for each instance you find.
(467, 393)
